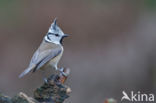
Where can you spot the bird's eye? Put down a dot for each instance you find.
(57, 35)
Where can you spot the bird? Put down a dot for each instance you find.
(49, 52)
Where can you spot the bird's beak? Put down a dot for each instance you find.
(66, 35)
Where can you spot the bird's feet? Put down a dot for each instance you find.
(64, 71)
(45, 80)
(61, 69)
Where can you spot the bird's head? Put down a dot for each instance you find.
(55, 34)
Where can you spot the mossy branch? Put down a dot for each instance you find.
(53, 91)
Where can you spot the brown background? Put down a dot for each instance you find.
(111, 48)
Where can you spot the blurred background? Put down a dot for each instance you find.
(112, 46)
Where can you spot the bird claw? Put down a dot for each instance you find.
(61, 69)
(45, 80)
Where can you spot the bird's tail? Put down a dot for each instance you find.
(25, 72)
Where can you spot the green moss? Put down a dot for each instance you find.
(4, 99)
(18, 99)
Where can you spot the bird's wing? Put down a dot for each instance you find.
(47, 58)
(41, 58)
(38, 56)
